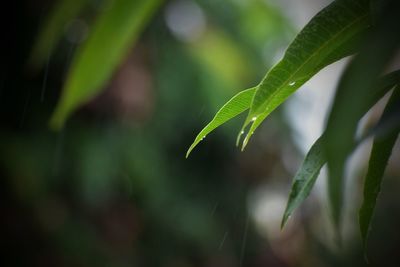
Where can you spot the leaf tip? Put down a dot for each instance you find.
(194, 144)
(283, 222)
(188, 152)
(286, 216)
(239, 136)
(246, 141)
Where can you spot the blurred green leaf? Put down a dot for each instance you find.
(53, 29)
(353, 92)
(381, 150)
(331, 35)
(306, 176)
(236, 105)
(223, 57)
(113, 34)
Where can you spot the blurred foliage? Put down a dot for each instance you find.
(115, 30)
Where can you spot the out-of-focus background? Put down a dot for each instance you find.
(113, 187)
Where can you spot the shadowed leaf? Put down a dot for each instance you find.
(304, 179)
(381, 150)
(353, 92)
(306, 176)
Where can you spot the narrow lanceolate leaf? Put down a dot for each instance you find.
(114, 32)
(381, 150)
(331, 35)
(304, 179)
(306, 176)
(53, 29)
(236, 105)
(353, 93)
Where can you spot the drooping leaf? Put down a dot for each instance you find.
(381, 151)
(53, 29)
(236, 105)
(332, 34)
(353, 93)
(304, 179)
(114, 32)
(307, 174)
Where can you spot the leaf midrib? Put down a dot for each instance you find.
(287, 81)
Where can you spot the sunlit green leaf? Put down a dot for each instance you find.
(53, 29)
(306, 176)
(381, 150)
(114, 32)
(236, 105)
(331, 35)
(352, 94)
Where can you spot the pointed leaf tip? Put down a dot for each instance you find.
(236, 105)
(305, 179)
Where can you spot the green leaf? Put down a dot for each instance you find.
(304, 179)
(353, 92)
(381, 150)
(306, 176)
(53, 29)
(332, 34)
(113, 34)
(236, 105)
